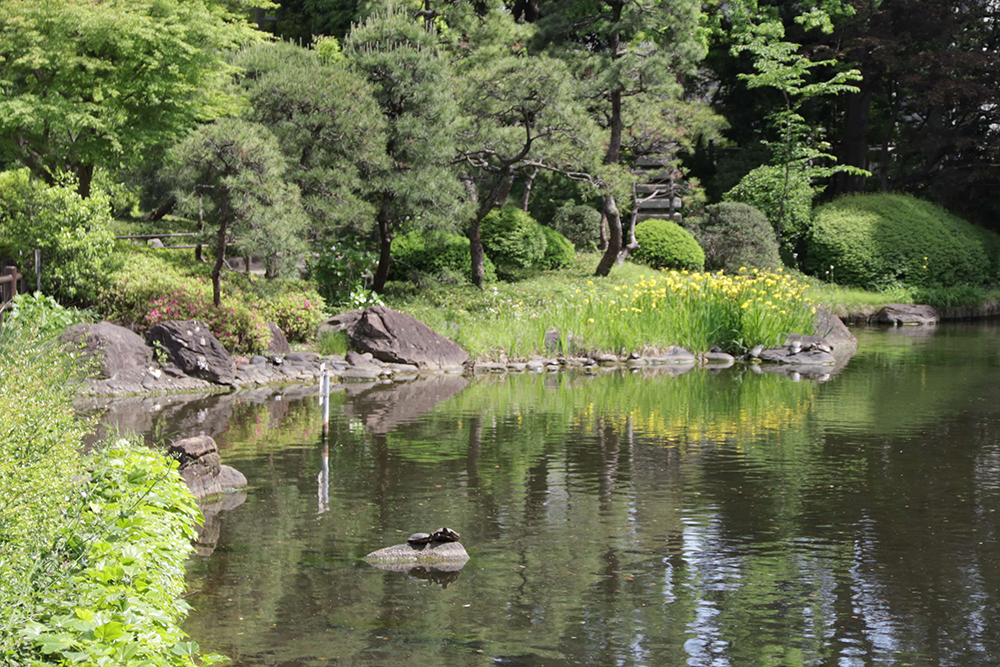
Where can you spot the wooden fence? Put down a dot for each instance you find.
(9, 278)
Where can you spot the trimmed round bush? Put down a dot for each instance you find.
(559, 250)
(735, 235)
(579, 223)
(762, 189)
(872, 241)
(436, 254)
(666, 245)
(513, 240)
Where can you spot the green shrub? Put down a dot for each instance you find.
(294, 305)
(92, 549)
(435, 254)
(665, 245)
(338, 269)
(559, 251)
(874, 241)
(74, 235)
(148, 290)
(579, 223)
(513, 240)
(734, 235)
(762, 188)
(43, 315)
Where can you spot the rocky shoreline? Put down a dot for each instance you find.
(184, 357)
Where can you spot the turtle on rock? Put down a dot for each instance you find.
(439, 535)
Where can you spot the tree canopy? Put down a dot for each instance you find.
(87, 84)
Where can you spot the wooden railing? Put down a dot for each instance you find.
(9, 278)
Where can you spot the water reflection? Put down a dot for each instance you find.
(731, 519)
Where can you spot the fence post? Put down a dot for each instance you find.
(38, 270)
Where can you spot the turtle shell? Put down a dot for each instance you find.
(445, 535)
(419, 538)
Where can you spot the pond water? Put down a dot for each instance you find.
(619, 519)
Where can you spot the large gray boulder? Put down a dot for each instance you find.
(395, 337)
(833, 331)
(279, 341)
(193, 349)
(902, 314)
(116, 351)
(202, 469)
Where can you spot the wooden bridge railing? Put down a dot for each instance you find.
(9, 278)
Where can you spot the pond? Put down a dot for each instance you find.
(618, 519)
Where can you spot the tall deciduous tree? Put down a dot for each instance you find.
(85, 84)
(414, 92)
(233, 173)
(620, 49)
(327, 123)
(780, 65)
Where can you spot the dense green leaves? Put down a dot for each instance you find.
(92, 549)
(874, 241)
(86, 84)
(327, 124)
(74, 235)
(231, 173)
(666, 245)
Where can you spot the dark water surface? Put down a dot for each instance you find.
(731, 519)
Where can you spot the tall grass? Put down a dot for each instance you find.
(640, 310)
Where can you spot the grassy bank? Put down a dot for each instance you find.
(638, 309)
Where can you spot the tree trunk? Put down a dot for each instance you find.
(614, 236)
(85, 176)
(384, 247)
(476, 251)
(610, 205)
(165, 208)
(220, 260)
(527, 190)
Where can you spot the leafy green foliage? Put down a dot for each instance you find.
(513, 240)
(295, 306)
(580, 223)
(666, 245)
(873, 241)
(73, 233)
(149, 290)
(435, 254)
(413, 89)
(780, 197)
(340, 267)
(735, 235)
(89, 84)
(231, 173)
(92, 549)
(43, 315)
(559, 251)
(327, 124)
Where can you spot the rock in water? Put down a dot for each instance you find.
(395, 337)
(116, 350)
(427, 552)
(202, 469)
(194, 349)
(902, 314)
